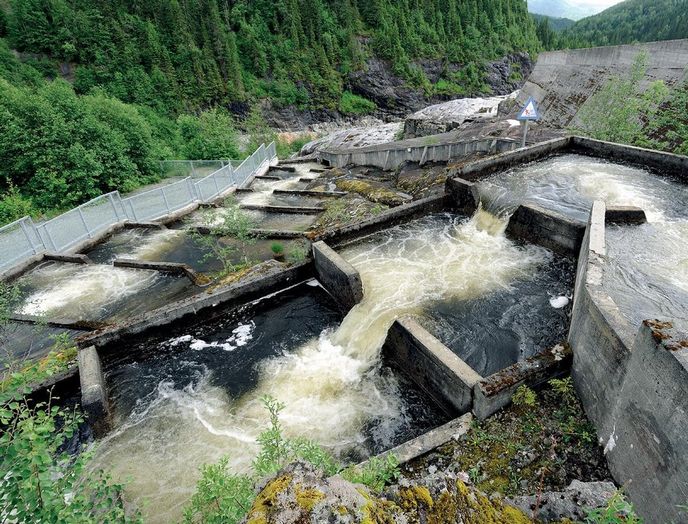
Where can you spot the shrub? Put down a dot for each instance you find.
(39, 481)
(617, 511)
(525, 397)
(211, 135)
(376, 473)
(13, 206)
(277, 248)
(351, 104)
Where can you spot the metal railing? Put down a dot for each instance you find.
(23, 239)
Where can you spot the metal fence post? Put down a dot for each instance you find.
(83, 221)
(25, 230)
(164, 197)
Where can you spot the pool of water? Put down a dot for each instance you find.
(486, 297)
(97, 291)
(568, 184)
(193, 396)
(646, 270)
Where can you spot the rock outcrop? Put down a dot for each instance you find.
(300, 494)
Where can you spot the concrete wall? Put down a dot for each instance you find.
(495, 392)
(663, 163)
(264, 279)
(94, 396)
(391, 156)
(632, 384)
(562, 81)
(546, 228)
(431, 365)
(337, 276)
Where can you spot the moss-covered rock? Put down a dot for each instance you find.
(372, 191)
(302, 495)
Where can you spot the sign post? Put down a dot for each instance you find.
(528, 113)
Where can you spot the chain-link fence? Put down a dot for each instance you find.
(23, 239)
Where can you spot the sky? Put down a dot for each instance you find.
(595, 4)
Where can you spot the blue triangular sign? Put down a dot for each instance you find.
(529, 111)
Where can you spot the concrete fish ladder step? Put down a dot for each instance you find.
(277, 233)
(284, 209)
(308, 192)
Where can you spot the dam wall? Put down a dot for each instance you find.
(563, 81)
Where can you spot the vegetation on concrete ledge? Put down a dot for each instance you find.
(540, 443)
(629, 112)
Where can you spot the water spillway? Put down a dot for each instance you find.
(96, 291)
(646, 265)
(486, 297)
(193, 396)
(569, 183)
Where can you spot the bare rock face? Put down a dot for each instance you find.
(300, 494)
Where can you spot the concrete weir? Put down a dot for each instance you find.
(337, 276)
(94, 397)
(431, 365)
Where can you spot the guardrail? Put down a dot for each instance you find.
(23, 239)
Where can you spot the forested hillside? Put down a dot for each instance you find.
(625, 23)
(93, 93)
(185, 55)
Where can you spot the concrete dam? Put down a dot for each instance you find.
(563, 81)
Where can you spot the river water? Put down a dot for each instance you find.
(192, 397)
(646, 266)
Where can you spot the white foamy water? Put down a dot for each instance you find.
(240, 337)
(330, 385)
(569, 184)
(80, 291)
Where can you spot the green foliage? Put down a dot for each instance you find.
(376, 473)
(211, 135)
(298, 253)
(617, 112)
(221, 497)
(668, 129)
(228, 222)
(617, 511)
(186, 56)
(277, 248)
(567, 414)
(525, 397)
(628, 22)
(352, 104)
(258, 130)
(39, 481)
(286, 148)
(224, 497)
(9, 297)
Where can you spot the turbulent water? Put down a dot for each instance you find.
(328, 377)
(197, 397)
(95, 291)
(445, 260)
(647, 266)
(647, 270)
(569, 184)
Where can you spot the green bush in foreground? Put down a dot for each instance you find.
(224, 497)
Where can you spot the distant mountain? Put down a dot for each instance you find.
(631, 21)
(557, 24)
(561, 9)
